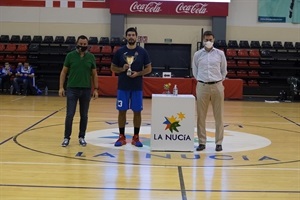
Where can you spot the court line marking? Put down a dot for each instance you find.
(181, 181)
(85, 159)
(281, 116)
(149, 166)
(20, 98)
(149, 189)
(4, 141)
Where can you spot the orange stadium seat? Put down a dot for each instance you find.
(106, 49)
(9, 58)
(116, 48)
(10, 47)
(105, 60)
(21, 58)
(254, 63)
(2, 47)
(243, 53)
(231, 63)
(254, 53)
(242, 63)
(22, 48)
(231, 53)
(95, 49)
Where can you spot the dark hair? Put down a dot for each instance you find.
(83, 37)
(131, 29)
(208, 33)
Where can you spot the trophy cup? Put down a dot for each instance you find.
(129, 60)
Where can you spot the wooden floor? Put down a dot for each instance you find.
(261, 157)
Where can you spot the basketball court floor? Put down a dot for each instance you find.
(260, 157)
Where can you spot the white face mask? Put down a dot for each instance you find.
(208, 44)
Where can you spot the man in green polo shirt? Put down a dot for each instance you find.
(80, 65)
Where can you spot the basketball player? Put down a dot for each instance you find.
(130, 84)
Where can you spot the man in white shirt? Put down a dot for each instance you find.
(210, 69)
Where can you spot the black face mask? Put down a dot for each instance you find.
(81, 48)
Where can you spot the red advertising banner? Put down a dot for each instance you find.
(168, 8)
(57, 3)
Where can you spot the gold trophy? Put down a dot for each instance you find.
(129, 60)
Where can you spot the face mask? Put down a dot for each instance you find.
(82, 48)
(208, 44)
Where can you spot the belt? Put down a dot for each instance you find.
(209, 83)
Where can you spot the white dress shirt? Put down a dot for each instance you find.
(209, 66)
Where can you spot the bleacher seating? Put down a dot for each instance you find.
(243, 53)
(93, 40)
(231, 63)
(254, 44)
(106, 49)
(70, 40)
(2, 47)
(26, 39)
(254, 59)
(22, 48)
(232, 44)
(277, 45)
(231, 53)
(59, 40)
(242, 63)
(266, 45)
(254, 63)
(244, 44)
(254, 53)
(95, 49)
(48, 39)
(115, 49)
(4, 39)
(15, 39)
(37, 39)
(288, 45)
(10, 47)
(104, 41)
(220, 44)
(115, 41)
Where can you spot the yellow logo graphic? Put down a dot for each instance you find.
(173, 122)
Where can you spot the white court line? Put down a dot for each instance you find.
(17, 99)
(145, 166)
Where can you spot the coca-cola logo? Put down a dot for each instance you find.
(197, 8)
(151, 7)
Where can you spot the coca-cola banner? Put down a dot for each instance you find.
(168, 8)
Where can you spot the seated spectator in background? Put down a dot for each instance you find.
(24, 75)
(5, 74)
(19, 65)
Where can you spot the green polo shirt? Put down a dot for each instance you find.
(79, 69)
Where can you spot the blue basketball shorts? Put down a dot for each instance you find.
(127, 99)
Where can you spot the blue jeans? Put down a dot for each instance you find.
(83, 95)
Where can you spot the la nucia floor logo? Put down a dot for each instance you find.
(234, 141)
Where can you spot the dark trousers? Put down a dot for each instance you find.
(27, 84)
(83, 96)
(5, 82)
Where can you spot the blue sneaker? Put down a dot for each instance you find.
(121, 141)
(136, 141)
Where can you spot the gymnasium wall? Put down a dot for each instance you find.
(241, 24)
